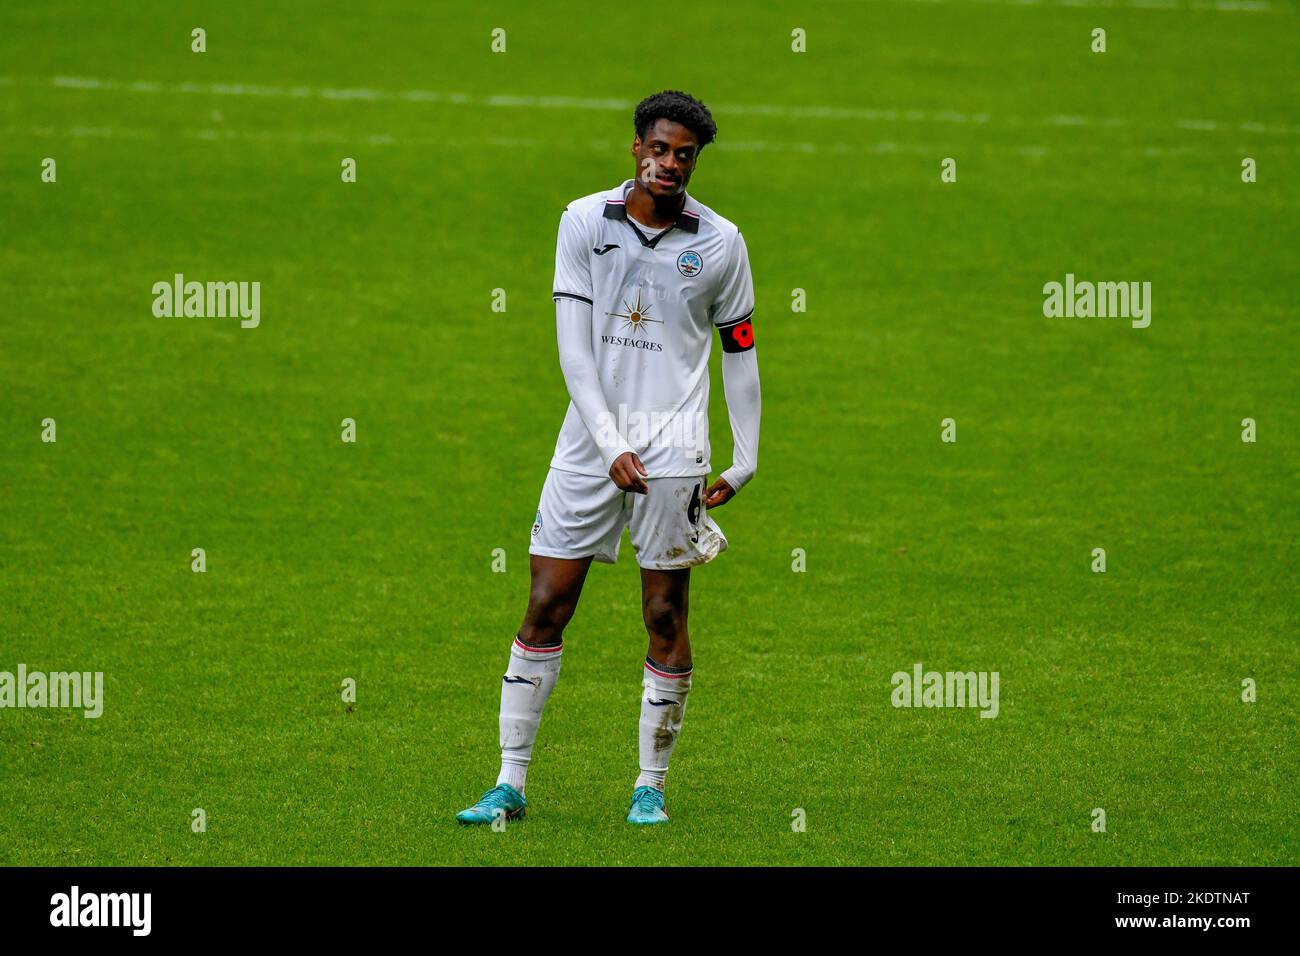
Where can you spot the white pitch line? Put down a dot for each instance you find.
(297, 137)
(776, 110)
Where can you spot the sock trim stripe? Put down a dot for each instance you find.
(659, 673)
(548, 649)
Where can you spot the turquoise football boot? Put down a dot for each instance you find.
(647, 806)
(502, 800)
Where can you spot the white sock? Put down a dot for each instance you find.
(527, 683)
(663, 705)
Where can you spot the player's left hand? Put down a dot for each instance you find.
(718, 493)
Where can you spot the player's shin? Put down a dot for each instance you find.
(528, 681)
(663, 705)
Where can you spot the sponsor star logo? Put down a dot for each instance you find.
(635, 316)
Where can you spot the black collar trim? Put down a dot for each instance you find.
(686, 221)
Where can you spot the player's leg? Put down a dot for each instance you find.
(671, 535)
(531, 674)
(552, 597)
(665, 605)
(665, 684)
(579, 518)
(535, 660)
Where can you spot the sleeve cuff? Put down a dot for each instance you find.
(610, 455)
(736, 478)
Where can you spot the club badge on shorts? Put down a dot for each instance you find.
(537, 524)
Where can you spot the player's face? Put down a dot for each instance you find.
(665, 158)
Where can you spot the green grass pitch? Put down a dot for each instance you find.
(373, 561)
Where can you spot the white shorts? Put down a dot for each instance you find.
(583, 516)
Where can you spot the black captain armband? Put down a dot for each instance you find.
(738, 334)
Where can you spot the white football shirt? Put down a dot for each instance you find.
(655, 303)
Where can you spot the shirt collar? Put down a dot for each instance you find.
(688, 220)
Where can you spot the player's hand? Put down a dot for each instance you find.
(627, 472)
(718, 493)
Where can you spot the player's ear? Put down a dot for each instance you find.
(636, 145)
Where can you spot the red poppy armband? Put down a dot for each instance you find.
(738, 334)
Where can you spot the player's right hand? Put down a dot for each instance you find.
(628, 473)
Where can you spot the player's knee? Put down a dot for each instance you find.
(548, 615)
(664, 619)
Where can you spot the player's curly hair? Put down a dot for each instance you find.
(680, 108)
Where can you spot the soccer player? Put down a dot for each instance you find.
(644, 275)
